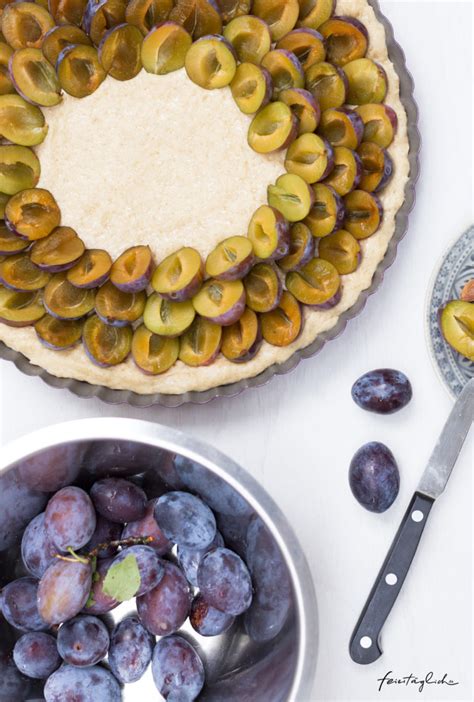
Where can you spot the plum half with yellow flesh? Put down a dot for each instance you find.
(104, 344)
(153, 354)
(250, 38)
(231, 259)
(317, 284)
(201, 343)
(269, 233)
(251, 87)
(35, 78)
(282, 326)
(59, 251)
(306, 44)
(165, 47)
(377, 167)
(342, 127)
(19, 273)
(292, 196)
(242, 340)
(210, 62)
(132, 270)
(327, 212)
(220, 301)
(20, 309)
(263, 288)
(311, 157)
(342, 250)
(92, 270)
(328, 84)
(179, 276)
(457, 325)
(302, 248)
(20, 122)
(32, 214)
(63, 301)
(280, 15)
(59, 334)
(168, 317)
(285, 70)
(363, 215)
(274, 127)
(304, 106)
(116, 307)
(347, 171)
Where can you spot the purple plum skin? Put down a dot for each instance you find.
(83, 641)
(37, 550)
(36, 655)
(118, 500)
(225, 582)
(239, 270)
(105, 532)
(355, 23)
(131, 649)
(253, 350)
(374, 477)
(92, 684)
(207, 620)
(20, 607)
(178, 671)
(149, 566)
(189, 559)
(141, 283)
(164, 609)
(63, 590)
(70, 518)
(382, 391)
(387, 172)
(185, 519)
(232, 315)
(148, 526)
(355, 120)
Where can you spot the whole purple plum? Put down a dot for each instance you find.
(383, 391)
(374, 477)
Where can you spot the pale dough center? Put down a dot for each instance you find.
(155, 160)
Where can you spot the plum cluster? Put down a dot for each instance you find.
(90, 551)
(302, 74)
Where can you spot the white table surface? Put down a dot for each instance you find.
(297, 435)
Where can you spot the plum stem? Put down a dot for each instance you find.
(89, 557)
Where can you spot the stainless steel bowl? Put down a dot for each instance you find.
(115, 397)
(277, 662)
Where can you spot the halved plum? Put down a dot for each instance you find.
(165, 47)
(153, 354)
(251, 87)
(102, 15)
(220, 301)
(132, 270)
(3, 203)
(269, 233)
(380, 124)
(241, 341)
(63, 301)
(120, 51)
(21, 122)
(342, 127)
(168, 317)
(347, 171)
(198, 17)
(280, 15)
(6, 85)
(250, 38)
(467, 292)
(179, 276)
(19, 273)
(364, 214)
(377, 167)
(20, 309)
(67, 11)
(327, 213)
(24, 24)
(367, 82)
(59, 251)
(457, 325)
(302, 248)
(273, 128)
(79, 70)
(285, 70)
(231, 259)
(10, 243)
(313, 13)
(117, 307)
(342, 250)
(306, 44)
(60, 37)
(310, 157)
(304, 106)
(316, 284)
(346, 38)
(201, 343)
(210, 62)
(19, 168)
(281, 326)
(32, 213)
(59, 334)
(34, 77)
(292, 196)
(92, 270)
(327, 83)
(146, 14)
(230, 9)
(106, 345)
(263, 288)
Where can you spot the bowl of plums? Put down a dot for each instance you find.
(137, 563)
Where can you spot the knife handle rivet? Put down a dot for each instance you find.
(366, 642)
(417, 516)
(391, 579)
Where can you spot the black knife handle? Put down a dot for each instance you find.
(364, 645)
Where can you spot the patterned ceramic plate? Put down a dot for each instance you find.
(457, 267)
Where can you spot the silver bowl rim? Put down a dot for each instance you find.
(116, 397)
(159, 436)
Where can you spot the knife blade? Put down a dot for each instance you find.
(364, 644)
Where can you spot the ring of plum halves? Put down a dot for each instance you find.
(304, 76)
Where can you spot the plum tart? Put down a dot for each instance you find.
(191, 190)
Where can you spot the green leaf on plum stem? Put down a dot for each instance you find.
(122, 581)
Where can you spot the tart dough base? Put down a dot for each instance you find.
(181, 378)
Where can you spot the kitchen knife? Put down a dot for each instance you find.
(364, 645)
